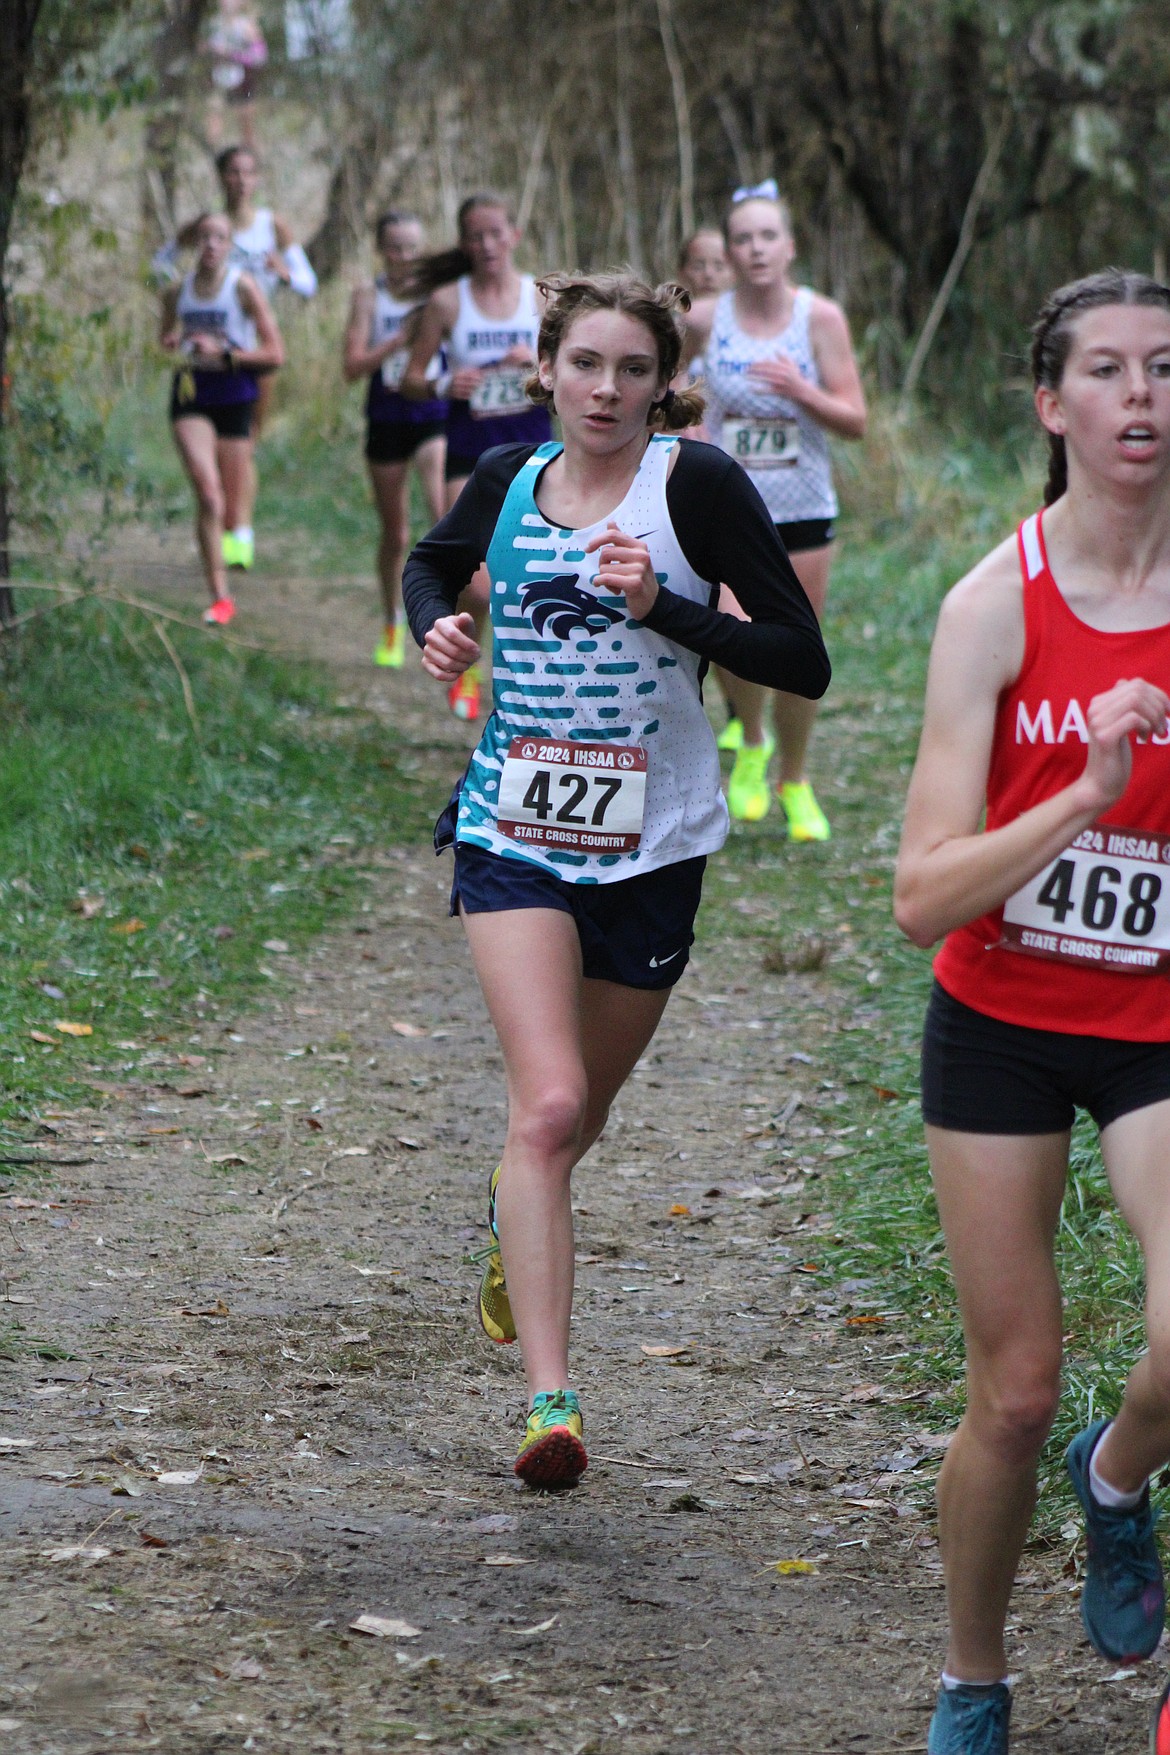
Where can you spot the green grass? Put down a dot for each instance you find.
(199, 843)
(890, 576)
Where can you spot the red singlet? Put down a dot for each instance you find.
(1085, 947)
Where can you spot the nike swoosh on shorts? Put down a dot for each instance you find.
(657, 962)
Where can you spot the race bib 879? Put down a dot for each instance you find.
(586, 797)
(1104, 904)
(762, 444)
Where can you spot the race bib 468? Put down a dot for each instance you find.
(1104, 904)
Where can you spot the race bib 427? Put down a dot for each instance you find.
(586, 797)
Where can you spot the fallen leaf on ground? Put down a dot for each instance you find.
(867, 1321)
(126, 1489)
(149, 1541)
(15, 1444)
(223, 932)
(275, 944)
(884, 1094)
(88, 906)
(678, 1211)
(246, 1669)
(39, 1036)
(504, 1560)
(358, 1338)
(353, 1152)
(384, 1627)
(219, 1308)
(67, 1028)
(311, 1121)
(411, 1145)
(192, 1090)
(865, 1392)
(76, 1551)
(794, 1568)
(401, 1029)
(664, 1352)
(129, 926)
(179, 1477)
(541, 1627)
(222, 1157)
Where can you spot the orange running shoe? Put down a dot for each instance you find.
(220, 612)
(463, 695)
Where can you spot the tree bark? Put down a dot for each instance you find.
(627, 163)
(682, 117)
(174, 57)
(345, 204)
(18, 22)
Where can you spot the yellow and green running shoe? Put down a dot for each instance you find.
(730, 739)
(552, 1454)
(806, 820)
(390, 652)
(748, 798)
(495, 1312)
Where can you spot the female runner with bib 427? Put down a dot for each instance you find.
(484, 316)
(582, 825)
(1047, 706)
(780, 377)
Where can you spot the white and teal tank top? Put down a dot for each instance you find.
(570, 665)
(746, 418)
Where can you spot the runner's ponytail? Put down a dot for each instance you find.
(440, 268)
(1052, 338)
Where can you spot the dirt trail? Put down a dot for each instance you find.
(255, 1259)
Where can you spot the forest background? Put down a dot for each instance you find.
(947, 163)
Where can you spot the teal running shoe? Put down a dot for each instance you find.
(1123, 1604)
(971, 1720)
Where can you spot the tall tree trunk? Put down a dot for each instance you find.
(682, 117)
(627, 164)
(18, 22)
(175, 55)
(353, 178)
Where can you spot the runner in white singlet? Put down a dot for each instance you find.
(219, 326)
(399, 432)
(484, 315)
(583, 822)
(780, 378)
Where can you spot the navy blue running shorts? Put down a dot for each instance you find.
(980, 1075)
(636, 931)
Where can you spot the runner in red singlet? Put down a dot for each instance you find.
(1047, 704)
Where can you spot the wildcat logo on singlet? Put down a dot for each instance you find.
(1039, 726)
(561, 607)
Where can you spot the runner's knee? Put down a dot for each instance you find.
(1014, 1404)
(550, 1123)
(209, 493)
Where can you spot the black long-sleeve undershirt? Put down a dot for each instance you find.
(723, 529)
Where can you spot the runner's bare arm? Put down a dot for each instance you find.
(948, 871)
(697, 334)
(360, 359)
(268, 354)
(434, 325)
(838, 402)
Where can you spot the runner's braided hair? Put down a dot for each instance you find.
(1052, 336)
(659, 308)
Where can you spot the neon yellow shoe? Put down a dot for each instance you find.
(730, 739)
(806, 820)
(390, 652)
(495, 1311)
(748, 798)
(229, 548)
(553, 1454)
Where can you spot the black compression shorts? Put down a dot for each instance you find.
(800, 534)
(231, 420)
(396, 441)
(636, 931)
(983, 1076)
